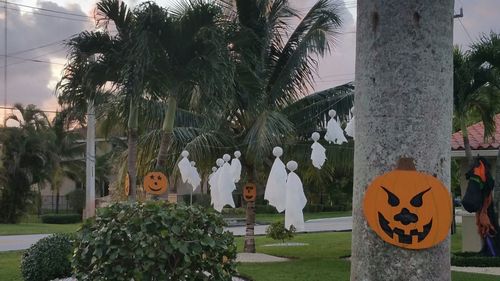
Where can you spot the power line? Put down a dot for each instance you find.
(47, 10)
(13, 108)
(50, 16)
(24, 60)
(41, 46)
(5, 60)
(465, 29)
(31, 60)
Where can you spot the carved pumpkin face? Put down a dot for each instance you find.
(408, 209)
(127, 184)
(249, 192)
(155, 183)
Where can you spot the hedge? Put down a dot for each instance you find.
(474, 259)
(61, 218)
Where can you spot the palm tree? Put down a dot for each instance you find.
(24, 160)
(65, 154)
(403, 109)
(185, 56)
(472, 93)
(30, 117)
(487, 50)
(87, 81)
(274, 70)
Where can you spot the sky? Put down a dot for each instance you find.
(35, 54)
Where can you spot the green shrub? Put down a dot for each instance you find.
(474, 259)
(277, 231)
(154, 241)
(47, 259)
(61, 218)
(76, 199)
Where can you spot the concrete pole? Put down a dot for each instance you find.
(403, 108)
(90, 163)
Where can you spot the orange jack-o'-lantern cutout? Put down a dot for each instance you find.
(408, 209)
(127, 185)
(249, 192)
(155, 183)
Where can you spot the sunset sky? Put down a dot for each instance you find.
(36, 54)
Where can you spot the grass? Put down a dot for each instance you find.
(318, 261)
(9, 266)
(42, 228)
(270, 218)
(37, 228)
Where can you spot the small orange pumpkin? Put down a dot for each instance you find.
(250, 192)
(127, 185)
(155, 183)
(408, 209)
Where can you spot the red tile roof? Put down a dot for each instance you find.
(476, 137)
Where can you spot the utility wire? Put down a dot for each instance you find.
(47, 10)
(41, 46)
(465, 29)
(31, 60)
(50, 16)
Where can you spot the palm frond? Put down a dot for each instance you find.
(310, 113)
(295, 67)
(270, 129)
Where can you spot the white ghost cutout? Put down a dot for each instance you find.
(236, 166)
(349, 129)
(295, 199)
(334, 132)
(275, 188)
(318, 154)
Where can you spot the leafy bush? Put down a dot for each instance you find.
(47, 259)
(76, 199)
(277, 231)
(61, 218)
(474, 259)
(154, 241)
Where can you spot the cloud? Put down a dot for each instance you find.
(28, 81)
(31, 82)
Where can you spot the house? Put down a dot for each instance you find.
(471, 242)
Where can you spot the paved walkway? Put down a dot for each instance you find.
(317, 225)
(21, 242)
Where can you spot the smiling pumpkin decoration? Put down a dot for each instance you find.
(155, 183)
(408, 209)
(250, 192)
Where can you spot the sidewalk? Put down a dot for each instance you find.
(21, 242)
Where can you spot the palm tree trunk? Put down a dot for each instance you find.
(166, 133)
(57, 200)
(404, 74)
(132, 150)
(467, 148)
(249, 246)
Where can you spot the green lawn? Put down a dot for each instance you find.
(41, 228)
(36, 228)
(270, 218)
(318, 261)
(9, 266)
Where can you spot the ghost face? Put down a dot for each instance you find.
(408, 209)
